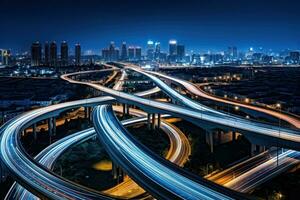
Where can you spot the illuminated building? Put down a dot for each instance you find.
(232, 53)
(131, 53)
(294, 57)
(36, 54)
(180, 53)
(4, 56)
(124, 51)
(196, 59)
(53, 54)
(105, 54)
(77, 54)
(267, 59)
(112, 53)
(138, 53)
(150, 50)
(46, 54)
(157, 51)
(172, 50)
(64, 53)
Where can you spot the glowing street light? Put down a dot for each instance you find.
(247, 100)
(278, 105)
(236, 108)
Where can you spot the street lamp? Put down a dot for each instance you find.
(236, 108)
(278, 105)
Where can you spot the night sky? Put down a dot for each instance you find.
(199, 24)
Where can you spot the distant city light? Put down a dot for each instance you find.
(150, 42)
(172, 42)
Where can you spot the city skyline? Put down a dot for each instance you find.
(164, 47)
(215, 25)
(149, 99)
(48, 55)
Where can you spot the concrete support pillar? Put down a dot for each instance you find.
(90, 113)
(153, 121)
(253, 149)
(117, 173)
(173, 101)
(210, 140)
(233, 135)
(120, 175)
(124, 109)
(127, 109)
(262, 149)
(114, 171)
(86, 114)
(34, 131)
(54, 125)
(149, 121)
(219, 137)
(256, 149)
(50, 124)
(158, 120)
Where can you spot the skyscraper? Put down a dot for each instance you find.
(157, 51)
(1, 56)
(138, 53)
(105, 54)
(150, 50)
(124, 51)
(46, 54)
(235, 53)
(232, 53)
(172, 50)
(172, 47)
(77, 54)
(36, 54)
(112, 53)
(131, 53)
(116, 54)
(180, 53)
(4, 56)
(64, 53)
(295, 57)
(53, 54)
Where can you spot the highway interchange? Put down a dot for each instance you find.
(160, 175)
